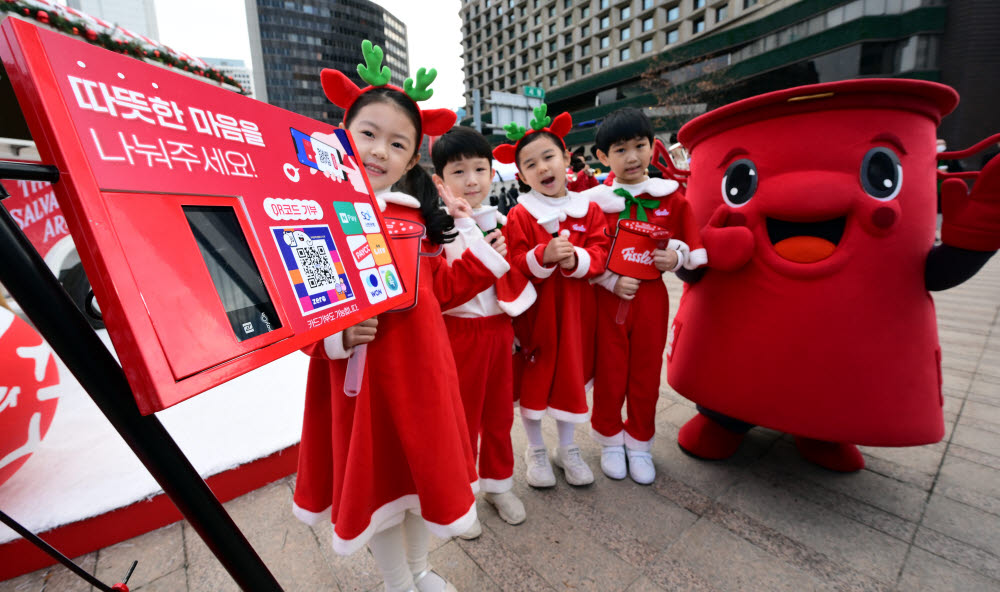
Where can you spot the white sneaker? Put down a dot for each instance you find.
(474, 531)
(508, 506)
(431, 581)
(539, 473)
(613, 461)
(640, 467)
(577, 472)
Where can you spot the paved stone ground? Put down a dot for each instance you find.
(922, 518)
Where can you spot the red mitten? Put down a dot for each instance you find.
(729, 247)
(972, 221)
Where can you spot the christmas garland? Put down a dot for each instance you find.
(130, 48)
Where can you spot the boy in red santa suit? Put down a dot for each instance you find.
(630, 349)
(556, 243)
(480, 330)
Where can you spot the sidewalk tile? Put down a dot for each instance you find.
(159, 553)
(818, 528)
(962, 522)
(929, 573)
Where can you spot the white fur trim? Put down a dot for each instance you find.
(542, 207)
(399, 198)
(310, 518)
(465, 223)
(474, 484)
(683, 252)
(616, 440)
(561, 415)
(333, 347)
(589, 385)
(532, 413)
(501, 219)
(488, 256)
(606, 280)
(654, 187)
(392, 514)
(604, 196)
(520, 304)
(582, 263)
(496, 485)
(697, 258)
(638, 445)
(536, 268)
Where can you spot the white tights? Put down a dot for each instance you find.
(533, 429)
(401, 551)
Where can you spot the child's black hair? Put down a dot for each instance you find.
(622, 125)
(457, 143)
(531, 138)
(416, 182)
(577, 163)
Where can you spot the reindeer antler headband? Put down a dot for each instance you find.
(541, 122)
(343, 93)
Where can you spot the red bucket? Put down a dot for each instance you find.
(406, 237)
(632, 251)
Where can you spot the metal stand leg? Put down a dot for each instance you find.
(55, 316)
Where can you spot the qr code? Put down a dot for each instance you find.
(323, 159)
(316, 267)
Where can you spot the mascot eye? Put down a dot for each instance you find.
(881, 173)
(739, 182)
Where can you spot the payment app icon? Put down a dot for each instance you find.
(390, 279)
(348, 217)
(379, 249)
(361, 251)
(367, 217)
(373, 286)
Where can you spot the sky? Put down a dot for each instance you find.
(218, 29)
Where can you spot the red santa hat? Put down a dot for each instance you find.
(558, 127)
(343, 93)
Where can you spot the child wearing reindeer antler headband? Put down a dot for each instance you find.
(393, 463)
(555, 242)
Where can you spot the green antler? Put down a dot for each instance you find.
(540, 120)
(514, 131)
(424, 79)
(370, 72)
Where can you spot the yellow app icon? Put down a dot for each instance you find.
(379, 250)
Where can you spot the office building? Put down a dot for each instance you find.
(138, 16)
(237, 69)
(680, 58)
(292, 41)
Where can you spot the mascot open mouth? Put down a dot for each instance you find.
(805, 242)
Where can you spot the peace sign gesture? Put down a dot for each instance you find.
(457, 207)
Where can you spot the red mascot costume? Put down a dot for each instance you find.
(817, 208)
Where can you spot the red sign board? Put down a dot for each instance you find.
(219, 232)
(34, 207)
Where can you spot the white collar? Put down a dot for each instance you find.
(605, 197)
(542, 207)
(654, 187)
(609, 202)
(399, 198)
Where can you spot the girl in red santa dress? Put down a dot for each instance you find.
(393, 464)
(556, 243)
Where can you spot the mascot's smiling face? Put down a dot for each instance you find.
(819, 189)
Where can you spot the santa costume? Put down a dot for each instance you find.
(482, 339)
(630, 355)
(401, 445)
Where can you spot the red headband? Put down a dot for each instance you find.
(343, 93)
(558, 127)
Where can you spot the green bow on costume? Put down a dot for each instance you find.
(640, 205)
